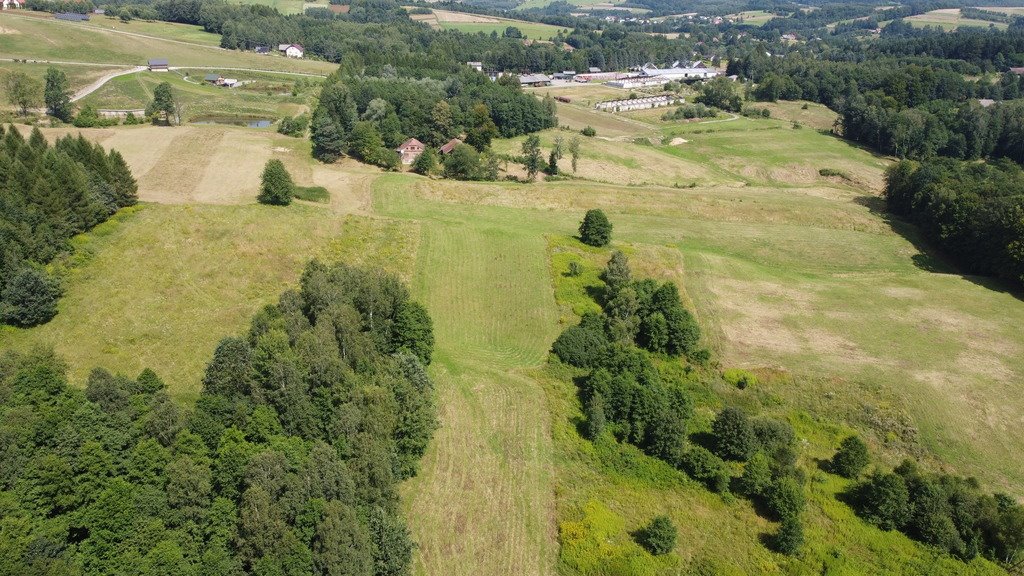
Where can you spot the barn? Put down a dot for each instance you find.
(159, 65)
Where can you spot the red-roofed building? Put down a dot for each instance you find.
(410, 150)
(447, 148)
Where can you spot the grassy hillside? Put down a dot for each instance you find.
(949, 19)
(89, 42)
(796, 276)
(474, 23)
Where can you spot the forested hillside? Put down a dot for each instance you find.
(287, 464)
(47, 195)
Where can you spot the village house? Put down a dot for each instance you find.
(410, 150)
(478, 66)
(159, 65)
(262, 49)
(449, 146)
(11, 4)
(214, 79)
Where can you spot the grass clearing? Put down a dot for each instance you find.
(950, 19)
(475, 23)
(751, 17)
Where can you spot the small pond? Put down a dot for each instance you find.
(248, 121)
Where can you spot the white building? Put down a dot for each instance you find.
(637, 103)
(478, 66)
(294, 51)
(12, 4)
(675, 72)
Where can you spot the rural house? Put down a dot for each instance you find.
(410, 150)
(214, 79)
(293, 50)
(478, 66)
(262, 49)
(159, 65)
(447, 148)
(12, 4)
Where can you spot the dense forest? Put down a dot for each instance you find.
(288, 464)
(973, 211)
(47, 195)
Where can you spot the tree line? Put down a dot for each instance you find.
(48, 194)
(287, 465)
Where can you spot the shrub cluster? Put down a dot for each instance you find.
(687, 112)
(942, 510)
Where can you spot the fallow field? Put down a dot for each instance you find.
(850, 322)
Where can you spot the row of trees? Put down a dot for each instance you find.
(287, 465)
(47, 195)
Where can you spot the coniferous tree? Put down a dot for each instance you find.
(276, 186)
(595, 229)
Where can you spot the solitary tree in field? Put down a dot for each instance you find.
(163, 104)
(658, 537)
(276, 185)
(532, 159)
(24, 91)
(595, 230)
(57, 94)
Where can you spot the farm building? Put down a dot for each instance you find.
(534, 80)
(450, 145)
(637, 103)
(9, 4)
(478, 66)
(293, 50)
(213, 79)
(71, 17)
(410, 150)
(565, 75)
(594, 70)
(139, 113)
(159, 65)
(262, 50)
(694, 72)
(1019, 70)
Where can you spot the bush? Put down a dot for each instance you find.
(593, 409)
(659, 536)
(739, 378)
(580, 346)
(706, 468)
(276, 185)
(29, 298)
(294, 126)
(757, 476)
(883, 500)
(785, 498)
(589, 131)
(734, 437)
(789, 538)
(595, 230)
(851, 458)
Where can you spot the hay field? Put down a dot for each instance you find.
(48, 39)
(949, 19)
(474, 23)
(198, 98)
(751, 17)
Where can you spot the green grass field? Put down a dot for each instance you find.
(949, 19)
(751, 17)
(798, 277)
(269, 96)
(88, 42)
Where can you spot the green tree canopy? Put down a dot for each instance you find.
(276, 186)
